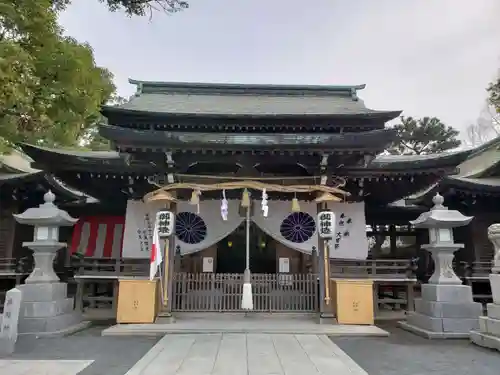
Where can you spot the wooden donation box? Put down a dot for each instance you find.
(352, 301)
(138, 301)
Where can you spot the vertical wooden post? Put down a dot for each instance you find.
(168, 269)
(325, 303)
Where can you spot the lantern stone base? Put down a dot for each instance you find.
(488, 334)
(47, 311)
(444, 311)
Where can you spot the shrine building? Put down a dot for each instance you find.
(188, 147)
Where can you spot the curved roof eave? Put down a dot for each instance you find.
(404, 162)
(374, 114)
(373, 139)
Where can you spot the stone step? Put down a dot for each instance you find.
(48, 324)
(485, 340)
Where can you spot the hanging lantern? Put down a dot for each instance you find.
(229, 243)
(295, 205)
(245, 199)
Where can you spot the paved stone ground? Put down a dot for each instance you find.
(406, 354)
(86, 351)
(245, 354)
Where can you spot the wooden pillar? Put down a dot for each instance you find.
(314, 260)
(325, 304)
(169, 269)
(393, 240)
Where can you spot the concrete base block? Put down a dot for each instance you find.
(65, 331)
(439, 324)
(493, 311)
(448, 309)
(489, 325)
(447, 293)
(431, 334)
(45, 309)
(7, 346)
(485, 340)
(48, 324)
(495, 287)
(43, 292)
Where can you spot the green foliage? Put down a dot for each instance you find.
(427, 135)
(52, 89)
(134, 7)
(494, 94)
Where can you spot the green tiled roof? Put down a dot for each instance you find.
(247, 100)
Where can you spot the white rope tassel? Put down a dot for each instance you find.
(247, 299)
(224, 206)
(265, 207)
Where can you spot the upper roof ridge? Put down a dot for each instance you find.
(156, 87)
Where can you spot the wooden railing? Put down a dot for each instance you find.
(8, 266)
(197, 292)
(109, 268)
(476, 270)
(373, 269)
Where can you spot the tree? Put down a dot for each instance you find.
(427, 135)
(494, 94)
(135, 7)
(486, 127)
(52, 90)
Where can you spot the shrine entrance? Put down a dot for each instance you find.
(231, 252)
(222, 290)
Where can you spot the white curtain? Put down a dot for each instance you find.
(352, 242)
(350, 230)
(217, 229)
(278, 211)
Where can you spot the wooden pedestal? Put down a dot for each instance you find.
(138, 301)
(352, 301)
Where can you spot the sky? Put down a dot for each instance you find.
(425, 57)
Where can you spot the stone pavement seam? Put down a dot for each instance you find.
(277, 355)
(349, 362)
(150, 356)
(217, 353)
(307, 354)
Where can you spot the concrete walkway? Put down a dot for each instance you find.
(245, 354)
(244, 325)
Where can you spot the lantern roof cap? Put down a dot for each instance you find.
(47, 214)
(440, 216)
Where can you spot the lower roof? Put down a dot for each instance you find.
(374, 139)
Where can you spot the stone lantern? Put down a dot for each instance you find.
(446, 308)
(46, 220)
(45, 308)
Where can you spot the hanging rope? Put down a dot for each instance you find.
(250, 184)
